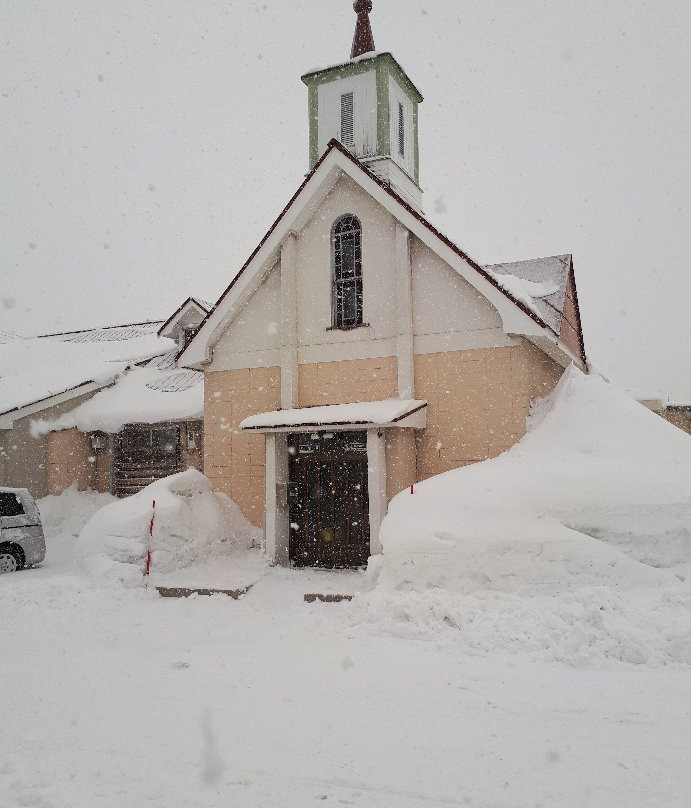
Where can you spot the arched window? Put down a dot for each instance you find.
(346, 295)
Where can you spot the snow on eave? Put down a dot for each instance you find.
(146, 394)
(516, 316)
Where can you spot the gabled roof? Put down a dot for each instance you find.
(518, 316)
(192, 303)
(544, 284)
(153, 393)
(34, 371)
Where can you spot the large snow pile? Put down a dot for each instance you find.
(190, 522)
(67, 513)
(575, 542)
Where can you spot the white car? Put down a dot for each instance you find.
(22, 543)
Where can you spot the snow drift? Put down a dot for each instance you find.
(577, 540)
(67, 513)
(593, 462)
(191, 521)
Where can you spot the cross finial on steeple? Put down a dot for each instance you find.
(363, 41)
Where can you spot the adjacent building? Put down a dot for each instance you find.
(104, 409)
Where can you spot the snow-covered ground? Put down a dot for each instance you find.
(523, 642)
(117, 698)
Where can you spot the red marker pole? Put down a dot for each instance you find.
(151, 536)
(412, 488)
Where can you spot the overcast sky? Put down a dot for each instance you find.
(147, 145)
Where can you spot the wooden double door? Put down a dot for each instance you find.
(328, 499)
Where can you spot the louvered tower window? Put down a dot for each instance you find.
(346, 295)
(347, 119)
(401, 130)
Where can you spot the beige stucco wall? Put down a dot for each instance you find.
(234, 461)
(346, 382)
(22, 457)
(477, 402)
(401, 461)
(70, 459)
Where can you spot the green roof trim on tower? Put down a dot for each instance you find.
(384, 65)
(354, 66)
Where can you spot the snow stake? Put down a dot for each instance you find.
(412, 488)
(151, 535)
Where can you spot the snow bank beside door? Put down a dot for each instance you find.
(191, 521)
(575, 544)
(593, 458)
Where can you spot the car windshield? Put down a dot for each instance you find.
(10, 504)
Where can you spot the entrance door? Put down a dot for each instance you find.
(328, 499)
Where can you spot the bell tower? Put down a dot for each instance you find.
(371, 106)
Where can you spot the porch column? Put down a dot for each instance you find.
(404, 291)
(376, 482)
(289, 348)
(277, 523)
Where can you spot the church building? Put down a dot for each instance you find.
(359, 351)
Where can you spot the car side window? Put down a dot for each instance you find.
(10, 504)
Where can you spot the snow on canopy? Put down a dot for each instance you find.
(37, 368)
(155, 393)
(367, 412)
(596, 493)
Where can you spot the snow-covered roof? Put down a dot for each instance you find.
(389, 412)
(36, 369)
(539, 283)
(152, 394)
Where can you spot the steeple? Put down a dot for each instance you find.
(371, 106)
(363, 41)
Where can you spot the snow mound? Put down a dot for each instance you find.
(592, 457)
(582, 627)
(191, 522)
(67, 513)
(592, 508)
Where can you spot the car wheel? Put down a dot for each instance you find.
(10, 560)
